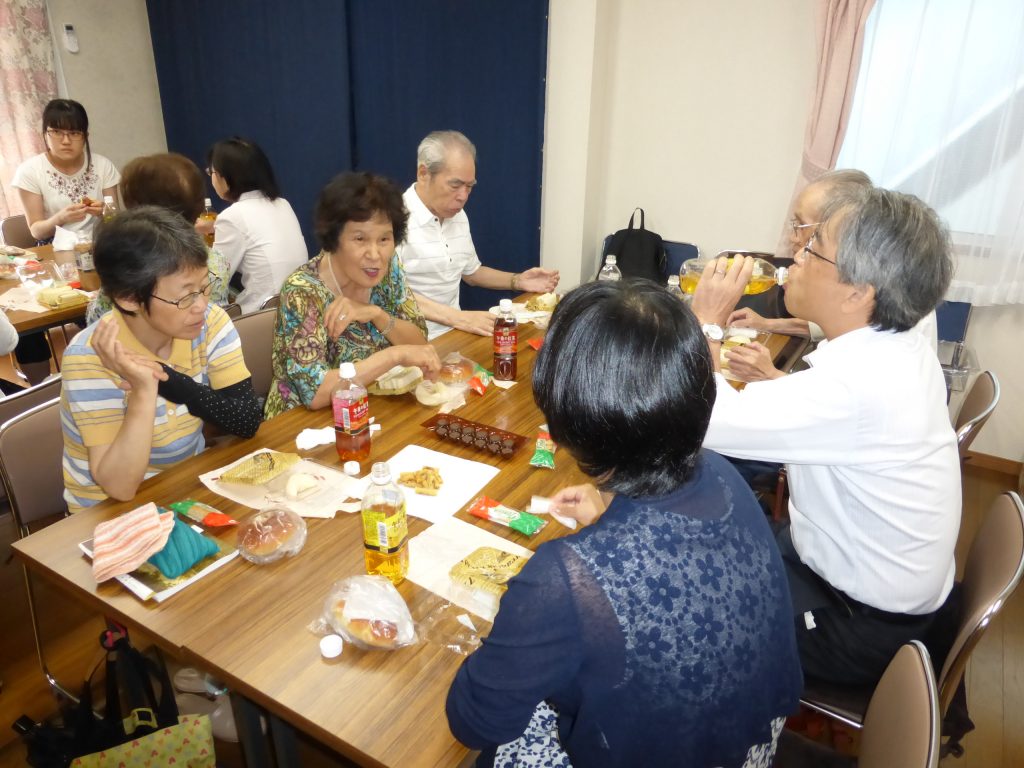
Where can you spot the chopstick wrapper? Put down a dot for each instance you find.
(185, 547)
(123, 544)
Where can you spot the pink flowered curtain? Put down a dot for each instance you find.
(27, 82)
(839, 38)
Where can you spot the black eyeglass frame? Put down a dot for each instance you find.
(186, 301)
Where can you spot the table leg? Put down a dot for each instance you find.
(250, 733)
(285, 745)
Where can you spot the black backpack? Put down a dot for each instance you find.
(638, 252)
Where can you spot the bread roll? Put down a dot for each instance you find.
(372, 633)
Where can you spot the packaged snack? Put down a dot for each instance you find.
(368, 612)
(487, 569)
(475, 435)
(544, 454)
(202, 513)
(523, 522)
(456, 370)
(398, 381)
(270, 535)
(260, 468)
(480, 379)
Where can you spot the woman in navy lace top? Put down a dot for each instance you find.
(661, 633)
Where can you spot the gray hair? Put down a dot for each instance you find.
(896, 244)
(842, 181)
(434, 148)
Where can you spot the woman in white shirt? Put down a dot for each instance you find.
(258, 233)
(65, 185)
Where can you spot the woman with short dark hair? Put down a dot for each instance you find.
(350, 303)
(174, 182)
(139, 384)
(258, 233)
(661, 633)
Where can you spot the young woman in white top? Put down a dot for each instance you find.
(258, 233)
(65, 185)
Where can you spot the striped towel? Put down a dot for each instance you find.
(123, 544)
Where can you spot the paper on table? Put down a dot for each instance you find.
(462, 479)
(335, 488)
(523, 315)
(22, 298)
(433, 553)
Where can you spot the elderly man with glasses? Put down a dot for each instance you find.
(864, 432)
(438, 252)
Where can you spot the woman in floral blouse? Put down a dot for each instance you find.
(350, 303)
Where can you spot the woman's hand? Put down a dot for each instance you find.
(480, 323)
(583, 503)
(423, 356)
(752, 362)
(94, 208)
(74, 213)
(136, 372)
(343, 311)
(720, 287)
(748, 318)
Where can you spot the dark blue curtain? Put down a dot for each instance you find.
(326, 86)
(274, 72)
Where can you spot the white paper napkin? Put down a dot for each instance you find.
(462, 480)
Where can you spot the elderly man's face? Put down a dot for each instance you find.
(446, 192)
(813, 285)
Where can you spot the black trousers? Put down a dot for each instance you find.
(843, 641)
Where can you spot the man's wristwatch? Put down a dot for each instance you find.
(713, 331)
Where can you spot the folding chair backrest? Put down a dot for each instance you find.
(978, 406)
(233, 311)
(271, 302)
(31, 451)
(14, 231)
(992, 572)
(256, 332)
(901, 726)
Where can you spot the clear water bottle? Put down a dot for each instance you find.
(609, 271)
(109, 208)
(674, 289)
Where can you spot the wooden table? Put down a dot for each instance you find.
(248, 624)
(24, 322)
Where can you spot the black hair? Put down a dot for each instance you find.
(243, 166)
(68, 115)
(169, 180)
(139, 246)
(357, 197)
(626, 383)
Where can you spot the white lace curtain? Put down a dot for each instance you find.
(938, 112)
(27, 82)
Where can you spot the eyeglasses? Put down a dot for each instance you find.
(58, 135)
(189, 299)
(807, 249)
(797, 227)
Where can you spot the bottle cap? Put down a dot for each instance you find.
(331, 646)
(673, 279)
(207, 202)
(110, 199)
(347, 370)
(351, 468)
(505, 305)
(610, 259)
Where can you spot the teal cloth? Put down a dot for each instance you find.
(185, 547)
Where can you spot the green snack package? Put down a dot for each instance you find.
(523, 522)
(544, 455)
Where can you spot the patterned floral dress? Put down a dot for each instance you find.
(303, 353)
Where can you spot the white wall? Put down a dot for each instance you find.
(696, 113)
(113, 75)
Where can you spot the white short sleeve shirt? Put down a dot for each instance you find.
(436, 255)
(59, 190)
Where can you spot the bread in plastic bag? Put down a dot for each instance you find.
(369, 613)
(270, 535)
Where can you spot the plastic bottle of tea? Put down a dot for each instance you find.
(506, 342)
(351, 416)
(385, 527)
(208, 214)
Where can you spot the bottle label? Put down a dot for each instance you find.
(351, 416)
(506, 340)
(385, 529)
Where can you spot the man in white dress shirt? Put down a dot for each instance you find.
(438, 252)
(871, 457)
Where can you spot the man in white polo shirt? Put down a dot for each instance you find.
(865, 435)
(438, 251)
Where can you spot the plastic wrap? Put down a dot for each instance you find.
(368, 612)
